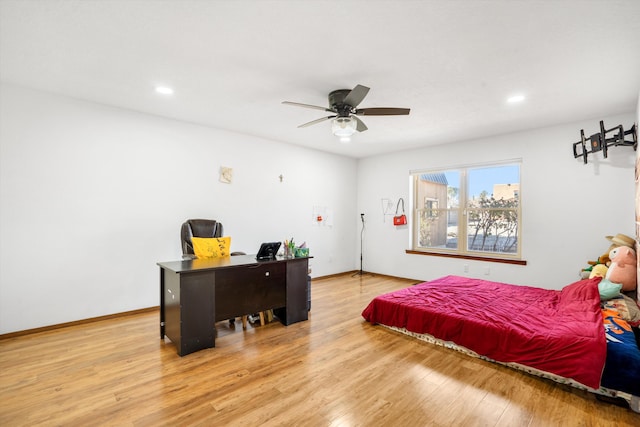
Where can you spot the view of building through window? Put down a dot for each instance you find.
(472, 210)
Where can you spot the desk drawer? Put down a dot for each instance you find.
(249, 290)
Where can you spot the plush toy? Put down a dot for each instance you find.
(599, 270)
(608, 290)
(605, 258)
(622, 240)
(623, 268)
(597, 265)
(616, 241)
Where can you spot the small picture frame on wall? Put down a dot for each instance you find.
(226, 175)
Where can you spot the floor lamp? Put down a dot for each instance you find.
(361, 273)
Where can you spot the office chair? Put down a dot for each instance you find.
(205, 228)
(197, 228)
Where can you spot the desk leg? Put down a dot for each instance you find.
(161, 303)
(296, 284)
(197, 312)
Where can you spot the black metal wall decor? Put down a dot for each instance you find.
(602, 141)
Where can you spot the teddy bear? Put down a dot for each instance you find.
(623, 269)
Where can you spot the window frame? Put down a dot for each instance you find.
(462, 251)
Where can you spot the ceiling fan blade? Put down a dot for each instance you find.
(382, 111)
(315, 107)
(355, 97)
(304, 125)
(361, 127)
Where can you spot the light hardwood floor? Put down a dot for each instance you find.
(333, 370)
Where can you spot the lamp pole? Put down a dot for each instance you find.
(361, 273)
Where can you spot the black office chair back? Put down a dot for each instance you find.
(198, 228)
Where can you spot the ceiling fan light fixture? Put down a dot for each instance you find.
(343, 128)
(344, 118)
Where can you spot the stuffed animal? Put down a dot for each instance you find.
(622, 240)
(599, 270)
(616, 241)
(597, 265)
(623, 268)
(605, 258)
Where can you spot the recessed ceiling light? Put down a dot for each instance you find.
(165, 90)
(515, 99)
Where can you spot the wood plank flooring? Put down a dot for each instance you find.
(333, 370)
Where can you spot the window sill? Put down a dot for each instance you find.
(472, 257)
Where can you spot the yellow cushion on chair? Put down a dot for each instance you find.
(211, 247)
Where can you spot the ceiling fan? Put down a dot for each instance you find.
(343, 103)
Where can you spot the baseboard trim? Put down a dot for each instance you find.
(77, 322)
(365, 273)
(330, 276)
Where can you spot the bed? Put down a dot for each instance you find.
(568, 336)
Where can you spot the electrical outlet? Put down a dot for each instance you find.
(486, 271)
(466, 268)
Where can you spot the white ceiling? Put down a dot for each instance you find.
(232, 63)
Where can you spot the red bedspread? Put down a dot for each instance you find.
(560, 332)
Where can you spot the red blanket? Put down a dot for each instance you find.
(560, 332)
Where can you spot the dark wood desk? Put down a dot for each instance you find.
(194, 294)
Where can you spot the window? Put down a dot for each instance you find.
(473, 210)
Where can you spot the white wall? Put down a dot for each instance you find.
(567, 207)
(93, 196)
